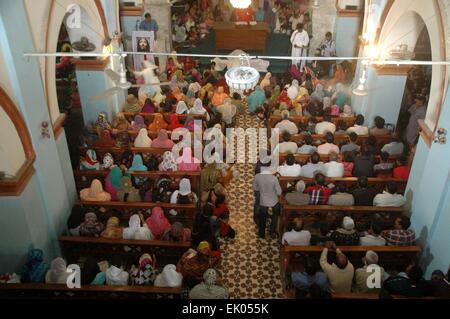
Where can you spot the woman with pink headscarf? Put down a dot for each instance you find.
(163, 141)
(158, 223)
(187, 162)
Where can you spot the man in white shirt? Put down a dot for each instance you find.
(389, 198)
(287, 146)
(373, 238)
(359, 127)
(394, 148)
(297, 236)
(329, 146)
(300, 42)
(333, 168)
(312, 168)
(325, 126)
(285, 125)
(290, 168)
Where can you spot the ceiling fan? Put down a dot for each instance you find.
(121, 82)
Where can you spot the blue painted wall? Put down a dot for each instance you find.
(39, 214)
(128, 24)
(347, 35)
(93, 83)
(428, 192)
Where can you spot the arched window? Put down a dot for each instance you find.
(16, 150)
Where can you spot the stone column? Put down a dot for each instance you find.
(161, 11)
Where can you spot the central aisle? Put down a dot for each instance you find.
(250, 266)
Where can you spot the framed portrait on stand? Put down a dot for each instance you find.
(143, 41)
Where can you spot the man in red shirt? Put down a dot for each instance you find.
(246, 15)
(402, 170)
(319, 192)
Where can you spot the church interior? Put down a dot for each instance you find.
(224, 149)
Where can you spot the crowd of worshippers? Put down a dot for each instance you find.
(195, 270)
(318, 279)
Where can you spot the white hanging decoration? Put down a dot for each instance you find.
(242, 78)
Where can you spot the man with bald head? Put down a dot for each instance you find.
(340, 274)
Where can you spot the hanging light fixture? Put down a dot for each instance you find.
(242, 78)
(360, 90)
(316, 4)
(240, 4)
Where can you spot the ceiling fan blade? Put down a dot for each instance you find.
(112, 75)
(105, 94)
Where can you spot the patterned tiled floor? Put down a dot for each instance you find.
(250, 266)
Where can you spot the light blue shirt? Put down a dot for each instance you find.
(149, 26)
(303, 281)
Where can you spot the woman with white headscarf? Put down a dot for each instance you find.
(228, 111)
(184, 195)
(58, 272)
(198, 109)
(293, 90)
(142, 140)
(169, 277)
(208, 288)
(136, 231)
(168, 163)
(181, 108)
(116, 276)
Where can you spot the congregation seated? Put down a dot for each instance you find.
(402, 169)
(379, 129)
(394, 148)
(373, 236)
(389, 197)
(315, 165)
(409, 283)
(297, 236)
(290, 168)
(363, 163)
(307, 147)
(333, 168)
(352, 146)
(340, 273)
(328, 146)
(296, 196)
(341, 197)
(287, 146)
(326, 126)
(364, 194)
(286, 125)
(401, 234)
(347, 234)
(209, 288)
(362, 274)
(359, 127)
(319, 192)
(385, 167)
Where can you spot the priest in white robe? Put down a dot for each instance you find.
(300, 42)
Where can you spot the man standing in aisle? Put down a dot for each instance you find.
(300, 42)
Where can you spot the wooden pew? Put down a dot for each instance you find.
(274, 119)
(148, 117)
(304, 158)
(313, 214)
(61, 291)
(83, 178)
(186, 212)
(390, 257)
(346, 180)
(166, 252)
(343, 138)
(372, 296)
